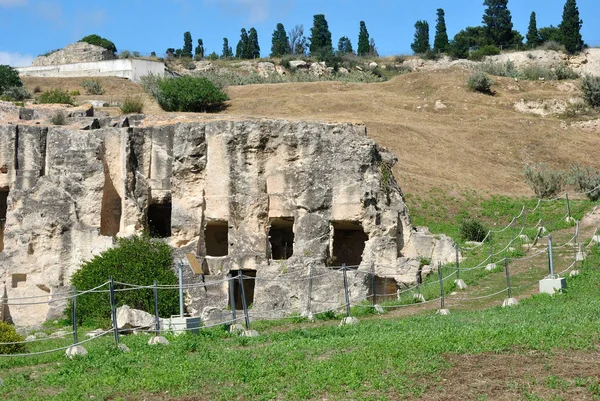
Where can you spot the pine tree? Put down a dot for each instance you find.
(199, 51)
(280, 42)
(533, 35)
(253, 46)
(363, 40)
(497, 22)
(227, 52)
(241, 50)
(440, 43)
(570, 27)
(421, 42)
(345, 46)
(186, 51)
(320, 36)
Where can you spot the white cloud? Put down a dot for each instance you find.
(257, 10)
(13, 3)
(15, 59)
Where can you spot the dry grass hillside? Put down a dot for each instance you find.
(476, 142)
(443, 134)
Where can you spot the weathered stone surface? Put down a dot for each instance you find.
(129, 318)
(72, 191)
(75, 351)
(158, 340)
(26, 114)
(78, 52)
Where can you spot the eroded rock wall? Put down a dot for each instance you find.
(274, 199)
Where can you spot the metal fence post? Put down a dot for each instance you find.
(231, 295)
(457, 262)
(346, 290)
(441, 284)
(244, 305)
(181, 311)
(373, 283)
(550, 257)
(156, 317)
(113, 306)
(308, 305)
(491, 246)
(507, 276)
(74, 316)
(568, 207)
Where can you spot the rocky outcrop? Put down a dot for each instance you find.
(78, 52)
(272, 199)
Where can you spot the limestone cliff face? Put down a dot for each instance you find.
(266, 197)
(78, 52)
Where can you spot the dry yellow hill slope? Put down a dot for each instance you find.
(475, 142)
(443, 134)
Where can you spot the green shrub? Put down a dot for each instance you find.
(537, 72)
(8, 334)
(431, 55)
(58, 118)
(489, 50)
(100, 41)
(472, 230)
(37, 89)
(399, 59)
(9, 77)
(586, 179)
(75, 93)
(125, 54)
(563, 72)
(507, 69)
(92, 87)
(16, 93)
(590, 86)
(553, 46)
(55, 96)
(190, 66)
(543, 181)
(134, 260)
(480, 82)
(189, 94)
(132, 105)
(213, 56)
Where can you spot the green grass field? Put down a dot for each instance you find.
(393, 356)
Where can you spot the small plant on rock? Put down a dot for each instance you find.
(480, 82)
(58, 118)
(544, 181)
(472, 230)
(132, 105)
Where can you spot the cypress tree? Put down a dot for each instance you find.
(187, 45)
(345, 46)
(199, 51)
(253, 47)
(280, 42)
(241, 48)
(497, 22)
(570, 27)
(440, 43)
(363, 40)
(227, 52)
(320, 36)
(533, 35)
(421, 42)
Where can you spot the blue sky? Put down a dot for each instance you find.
(32, 27)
